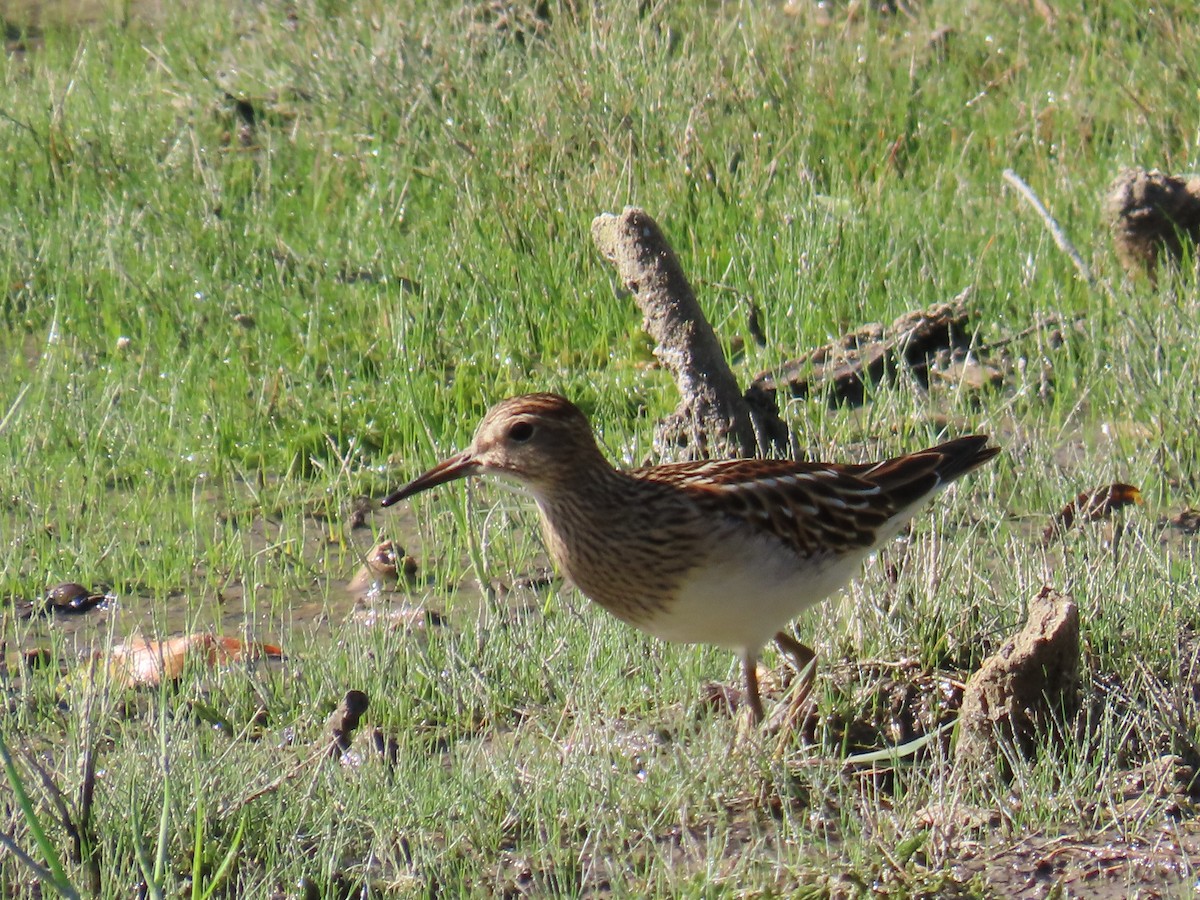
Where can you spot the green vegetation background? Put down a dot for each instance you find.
(259, 260)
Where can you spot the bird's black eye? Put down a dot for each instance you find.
(520, 432)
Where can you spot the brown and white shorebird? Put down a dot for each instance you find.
(723, 552)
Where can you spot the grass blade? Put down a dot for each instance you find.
(226, 863)
(58, 878)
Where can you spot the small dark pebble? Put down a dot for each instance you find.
(37, 658)
(360, 509)
(71, 598)
(1187, 521)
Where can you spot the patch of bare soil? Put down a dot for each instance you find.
(24, 19)
(1150, 850)
(886, 704)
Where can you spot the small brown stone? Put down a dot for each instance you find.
(385, 564)
(970, 375)
(1187, 521)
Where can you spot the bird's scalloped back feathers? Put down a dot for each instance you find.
(817, 507)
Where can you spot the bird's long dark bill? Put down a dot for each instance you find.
(455, 467)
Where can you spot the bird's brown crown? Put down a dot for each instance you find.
(538, 438)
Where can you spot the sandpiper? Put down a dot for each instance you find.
(723, 552)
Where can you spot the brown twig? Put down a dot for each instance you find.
(276, 783)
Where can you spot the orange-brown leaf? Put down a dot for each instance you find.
(146, 663)
(1092, 506)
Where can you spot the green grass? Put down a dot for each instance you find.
(210, 350)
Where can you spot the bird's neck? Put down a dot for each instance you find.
(592, 491)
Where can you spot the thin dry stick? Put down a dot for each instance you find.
(335, 739)
(321, 751)
(1060, 237)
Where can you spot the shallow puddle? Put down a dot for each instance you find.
(323, 580)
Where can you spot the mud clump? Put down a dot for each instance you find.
(1152, 215)
(937, 341)
(1025, 689)
(489, 21)
(338, 733)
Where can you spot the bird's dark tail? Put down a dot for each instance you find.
(915, 476)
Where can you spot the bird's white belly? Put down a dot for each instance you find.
(740, 598)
